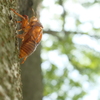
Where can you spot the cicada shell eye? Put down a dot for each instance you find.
(26, 17)
(33, 19)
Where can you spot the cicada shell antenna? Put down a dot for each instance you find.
(34, 14)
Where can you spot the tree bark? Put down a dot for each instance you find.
(10, 80)
(31, 69)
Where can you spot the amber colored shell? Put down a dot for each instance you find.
(31, 40)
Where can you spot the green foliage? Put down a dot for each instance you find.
(82, 62)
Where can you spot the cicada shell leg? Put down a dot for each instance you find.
(21, 36)
(24, 60)
(17, 13)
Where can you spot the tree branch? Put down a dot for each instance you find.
(55, 33)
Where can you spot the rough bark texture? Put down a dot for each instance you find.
(31, 69)
(10, 81)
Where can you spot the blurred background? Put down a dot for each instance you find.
(66, 66)
(71, 49)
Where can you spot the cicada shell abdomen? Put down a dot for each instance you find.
(27, 48)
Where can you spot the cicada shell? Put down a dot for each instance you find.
(31, 37)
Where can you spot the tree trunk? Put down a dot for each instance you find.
(10, 81)
(31, 69)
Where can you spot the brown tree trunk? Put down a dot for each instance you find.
(10, 81)
(31, 69)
